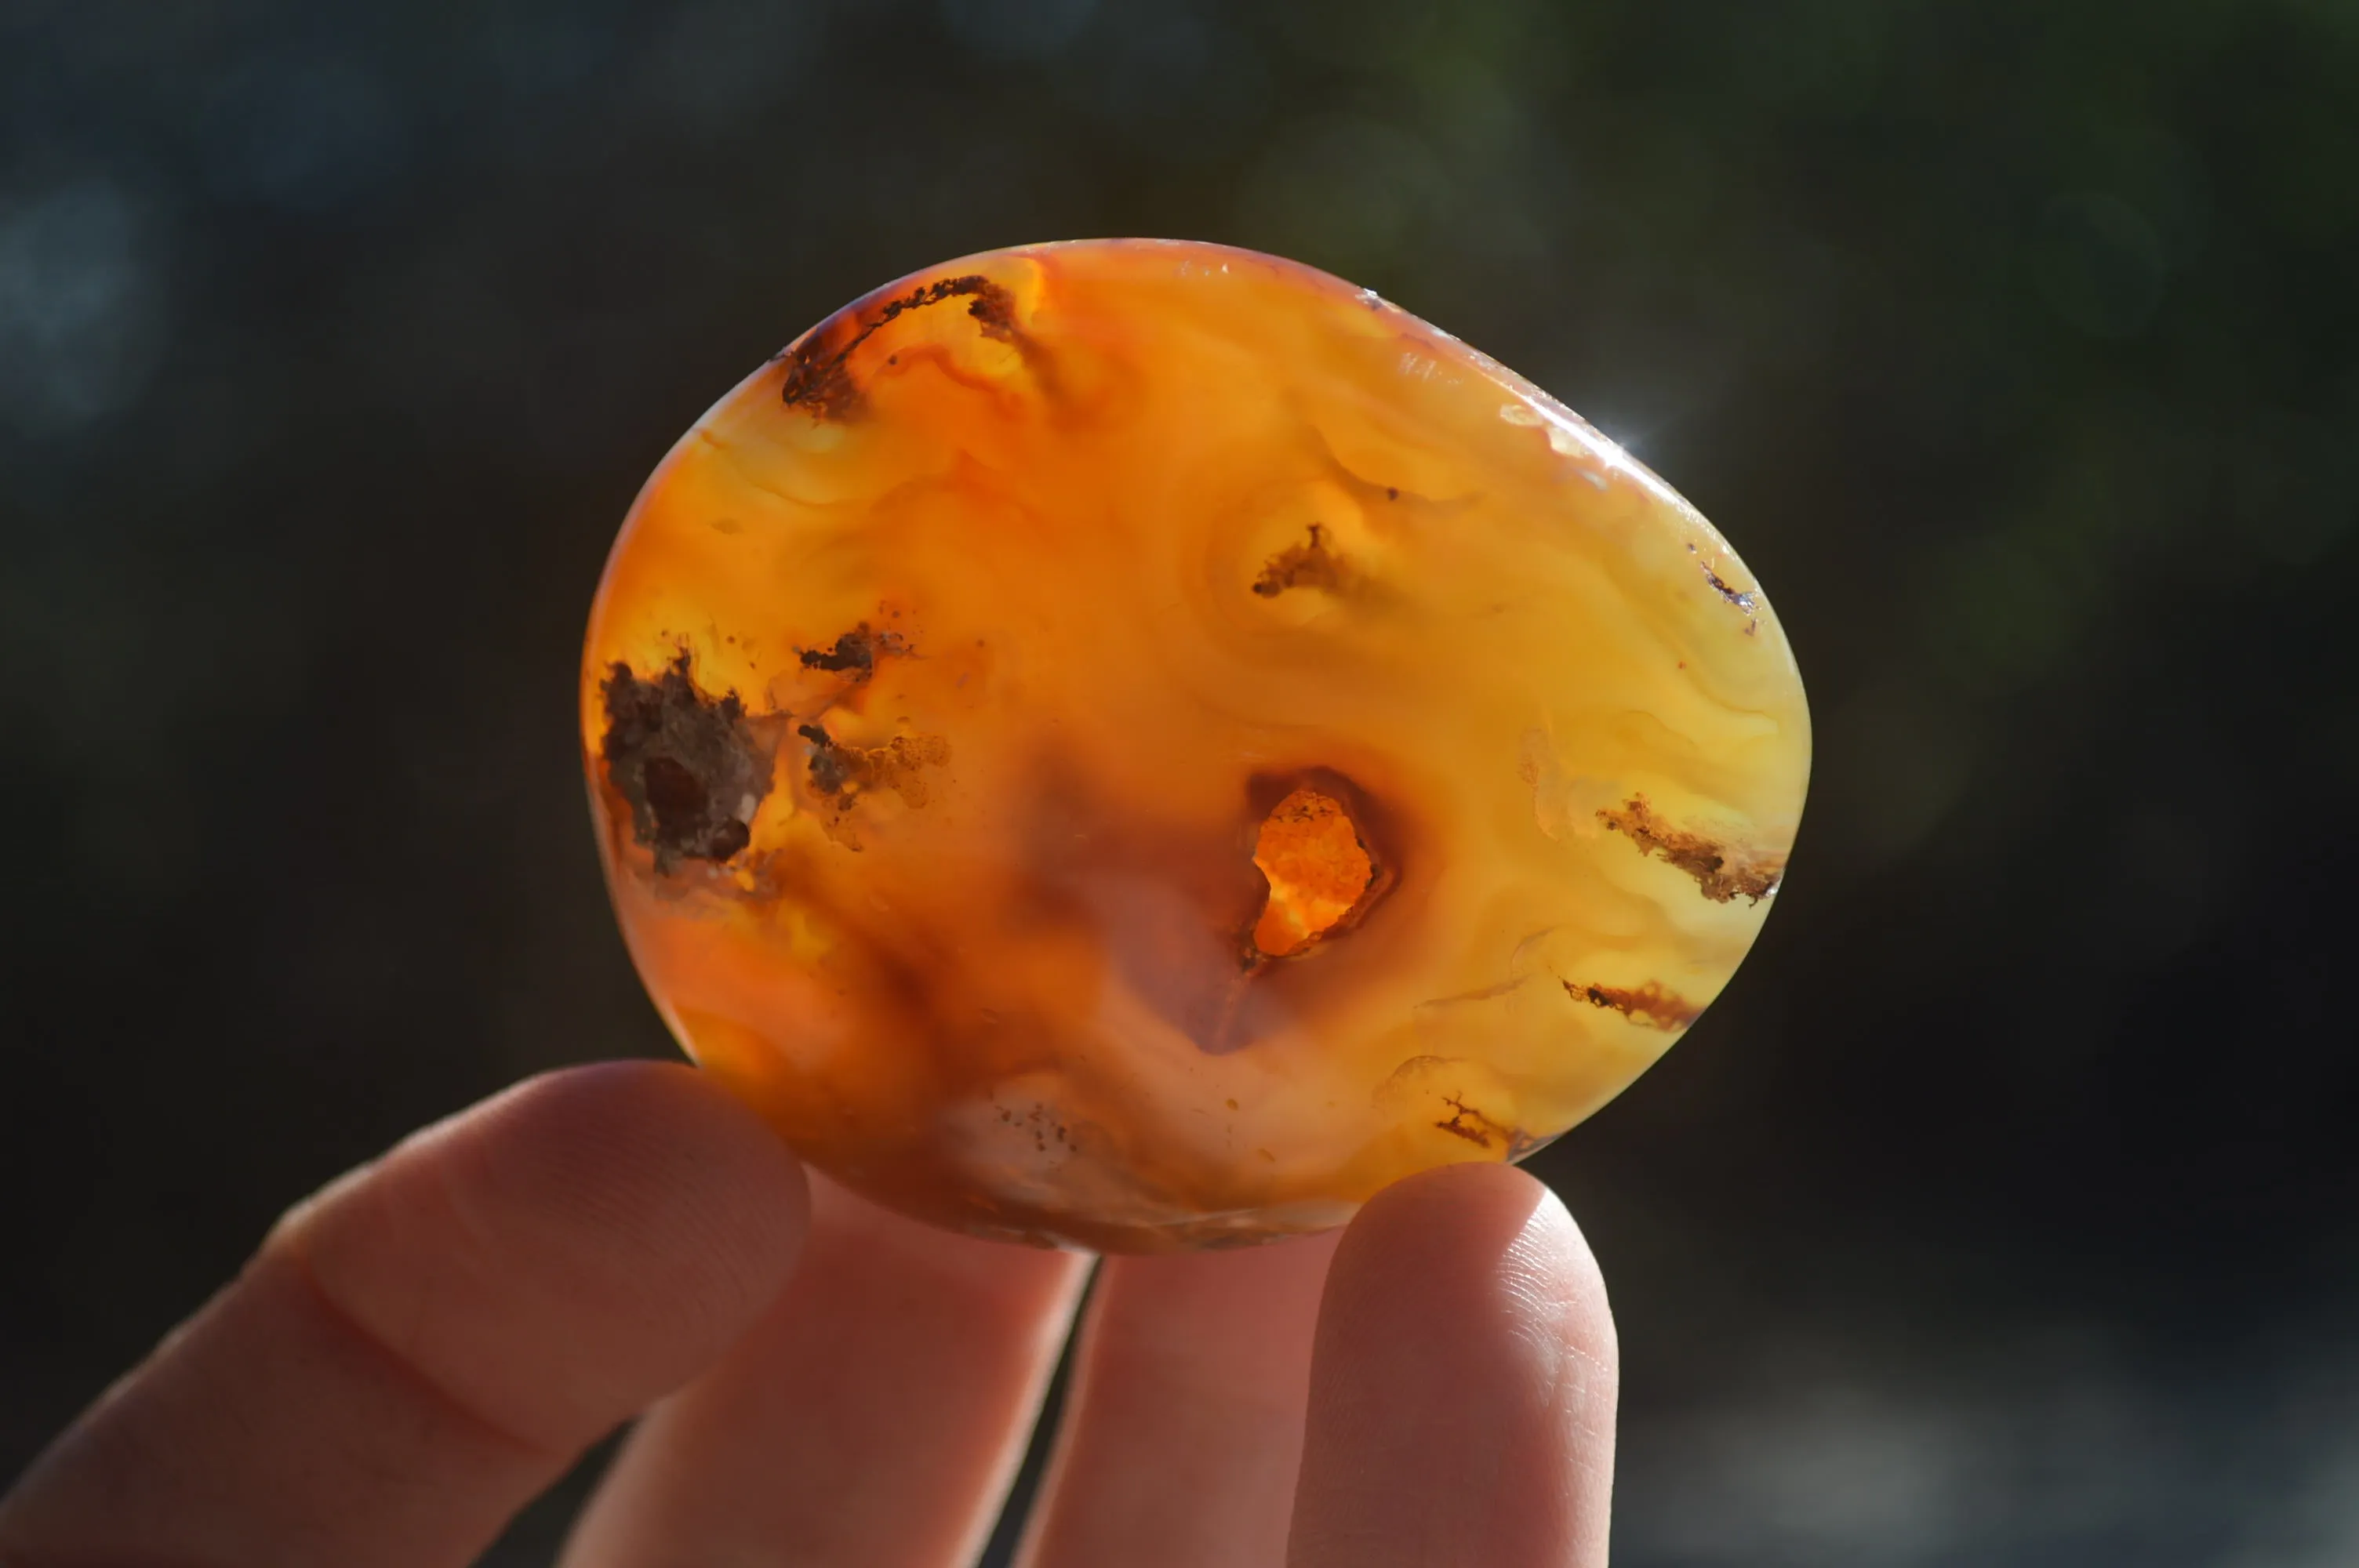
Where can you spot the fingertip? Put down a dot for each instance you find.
(570, 1249)
(1463, 1381)
(1469, 1238)
(641, 1171)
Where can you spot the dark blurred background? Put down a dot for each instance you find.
(2006, 1211)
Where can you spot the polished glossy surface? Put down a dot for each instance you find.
(1140, 745)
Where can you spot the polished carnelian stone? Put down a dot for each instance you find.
(1141, 744)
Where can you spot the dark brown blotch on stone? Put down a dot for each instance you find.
(692, 767)
(855, 652)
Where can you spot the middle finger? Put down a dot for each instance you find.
(1184, 1430)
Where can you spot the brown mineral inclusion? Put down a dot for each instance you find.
(1140, 745)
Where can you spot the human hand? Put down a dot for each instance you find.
(428, 1342)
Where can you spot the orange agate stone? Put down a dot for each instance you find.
(1140, 745)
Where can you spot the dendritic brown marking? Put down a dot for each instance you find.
(817, 376)
(1314, 565)
(1722, 873)
(693, 767)
(1470, 1124)
(1649, 1004)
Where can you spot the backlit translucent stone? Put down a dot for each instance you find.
(1142, 744)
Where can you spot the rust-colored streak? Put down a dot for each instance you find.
(1721, 873)
(1649, 1004)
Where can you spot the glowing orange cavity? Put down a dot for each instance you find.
(1317, 867)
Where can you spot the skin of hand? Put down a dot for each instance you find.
(419, 1348)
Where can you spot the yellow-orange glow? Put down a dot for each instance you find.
(1141, 744)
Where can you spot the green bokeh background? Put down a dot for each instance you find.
(2006, 1210)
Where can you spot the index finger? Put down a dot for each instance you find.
(416, 1352)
